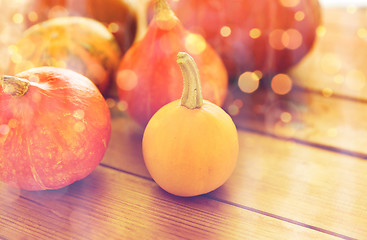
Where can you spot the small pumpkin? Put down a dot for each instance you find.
(120, 16)
(190, 146)
(77, 43)
(54, 128)
(148, 77)
(270, 36)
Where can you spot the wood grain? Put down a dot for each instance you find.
(110, 204)
(287, 180)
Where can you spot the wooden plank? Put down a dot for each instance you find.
(115, 205)
(282, 178)
(337, 63)
(327, 121)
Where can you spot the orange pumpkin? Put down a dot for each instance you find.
(119, 15)
(77, 43)
(148, 76)
(270, 36)
(190, 146)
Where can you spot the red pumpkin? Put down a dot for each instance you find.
(148, 76)
(270, 36)
(54, 128)
(120, 13)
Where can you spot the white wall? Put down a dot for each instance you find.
(343, 2)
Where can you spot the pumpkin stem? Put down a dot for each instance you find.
(14, 86)
(191, 94)
(162, 11)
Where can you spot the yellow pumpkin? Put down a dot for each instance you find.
(190, 146)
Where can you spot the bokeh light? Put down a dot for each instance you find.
(248, 82)
(225, 31)
(281, 84)
(195, 43)
(127, 79)
(255, 33)
(18, 18)
(286, 117)
(113, 27)
(33, 16)
(327, 92)
(275, 39)
(320, 31)
(299, 16)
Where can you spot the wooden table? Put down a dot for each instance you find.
(301, 174)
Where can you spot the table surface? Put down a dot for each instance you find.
(301, 173)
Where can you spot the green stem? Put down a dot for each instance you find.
(14, 86)
(191, 94)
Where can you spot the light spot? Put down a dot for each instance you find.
(58, 11)
(12, 49)
(286, 117)
(362, 32)
(113, 27)
(321, 31)
(122, 105)
(299, 16)
(258, 73)
(225, 31)
(332, 132)
(275, 39)
(248, 82)
(289, 3)
(18, 18)
(351, 9)
(327, 92)
(32, 16)
(281, 84)
(292, 39)
(16, 58)
(339, 78)
(195, 43)
(255, 33)
(79, 114)
(127, 79)
(4, 129)
(111, 102)
(34, 78)
(233, 110)
(79, 127)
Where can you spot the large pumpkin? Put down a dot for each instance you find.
(265, 35)
(77, 43)
(119, 15)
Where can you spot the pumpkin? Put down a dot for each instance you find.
(148, 77)
(190, 146)
(54, 128)
(270, 36)
(120, 16)
(77, 43)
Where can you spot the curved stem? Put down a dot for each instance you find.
(14, 86)
(191, 94)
